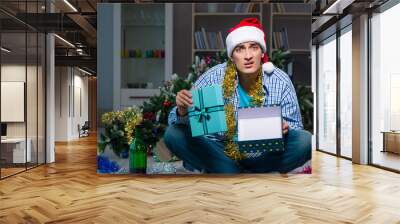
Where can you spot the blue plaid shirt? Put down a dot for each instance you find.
(278, 90)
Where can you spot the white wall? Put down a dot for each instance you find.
(12, 73)
(33, 126)
(80, 84)
(70, 83)
(61, 103)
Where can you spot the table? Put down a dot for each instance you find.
(16, 147)
(391, 141)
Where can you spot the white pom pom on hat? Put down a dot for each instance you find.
(249, 29)
(268, 67)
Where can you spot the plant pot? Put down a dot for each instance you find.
(120, 153)
(124, 154)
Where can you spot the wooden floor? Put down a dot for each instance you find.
(70, 191)
(387, 159)
(10, 171)
(5, 172)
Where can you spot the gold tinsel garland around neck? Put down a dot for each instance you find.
(229, 85)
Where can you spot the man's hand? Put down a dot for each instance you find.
(183, 101)
(285, 127)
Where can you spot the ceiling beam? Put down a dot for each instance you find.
(84, 24)
(91, 5)
(82, 61)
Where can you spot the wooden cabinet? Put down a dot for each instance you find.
(391, 142)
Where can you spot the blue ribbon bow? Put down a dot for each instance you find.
(202, 113)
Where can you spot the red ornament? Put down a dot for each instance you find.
(167, 103)
(149, 116)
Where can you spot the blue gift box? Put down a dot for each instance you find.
(207, 114)
(260, 131)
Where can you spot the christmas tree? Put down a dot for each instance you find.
(157, 108)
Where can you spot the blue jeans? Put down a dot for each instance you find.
(208, 155)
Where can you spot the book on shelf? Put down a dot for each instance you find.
(244, 7)
(213, 40)
(196, 39)
(279, 8)
(282, 8)
(280, 39)
(218, 41)
(285, 40)
(205, 37)
(221, 39)
(251, 7)
(238, 7)
(209, 40)
(199, 40)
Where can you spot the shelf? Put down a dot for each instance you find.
(142, 58)
(143, 26)
(208, 50)
(226, 14)
(290, 14)
(300, 50)
(297, 50)
(132, 93)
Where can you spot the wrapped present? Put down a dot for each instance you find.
(260, 131)
(207, 114)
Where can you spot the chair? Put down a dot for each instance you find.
(84, 130)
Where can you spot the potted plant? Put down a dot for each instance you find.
(118, 130)
(157, 108)
(305, 98)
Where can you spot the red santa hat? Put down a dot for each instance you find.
(249, 29)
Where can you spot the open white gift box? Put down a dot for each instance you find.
(260, 130)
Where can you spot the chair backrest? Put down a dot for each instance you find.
(86, 125)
